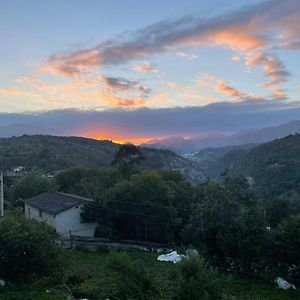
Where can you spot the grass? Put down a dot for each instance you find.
(86, 269)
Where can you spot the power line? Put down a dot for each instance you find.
(147, 204)
(129, 213)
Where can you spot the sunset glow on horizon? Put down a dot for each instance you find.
(155, 58)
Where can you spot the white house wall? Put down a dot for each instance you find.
(34, 213)
(70, 220)
(64, 222)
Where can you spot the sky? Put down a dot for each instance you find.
(135, 70)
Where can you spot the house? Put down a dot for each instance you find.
(61, 211)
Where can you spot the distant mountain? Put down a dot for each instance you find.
(273, 167)
(267, 134)
(20, 129)
(53, 153)
(185, 146)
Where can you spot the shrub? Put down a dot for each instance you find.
(197, 280)
(29, 250)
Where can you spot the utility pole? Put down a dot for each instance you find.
(1, 196)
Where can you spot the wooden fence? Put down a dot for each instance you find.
(93, 244)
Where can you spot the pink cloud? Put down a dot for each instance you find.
(236, 58)
(278, 95)
(272, 66)
(173, 85)
(145, 67)
(224, 88)
(74, 64)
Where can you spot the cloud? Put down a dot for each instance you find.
(145, 122)
(173, 85)
(236, 58)
(278, 95)
(273, 67)
(186, 56)
(145, 67)
(75, 64)
(119, 84)
(205, 80)
(113, 92)
(224, 88)
(8, 92)
(270, 24)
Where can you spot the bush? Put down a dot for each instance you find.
(29, 250)
(124, 278)
(197, 280)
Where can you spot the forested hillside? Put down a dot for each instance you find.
(52, 153)
(273, 168)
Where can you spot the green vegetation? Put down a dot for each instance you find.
(50, 154)
(137, 275)
(224, 220)
(29, 250)
(274, 166)
(239, 227)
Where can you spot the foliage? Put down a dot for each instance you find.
(140, 208)
(91, 274)
(197, 280)
(126, 158)
(280, 209)
(274, 166)
(244, 241)
(28, 186)
(287, 240)
(51, 154)
(29, 250)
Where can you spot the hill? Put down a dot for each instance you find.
(274, 167)
(184, 146)
(52, 153)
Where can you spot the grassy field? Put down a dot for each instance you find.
(86, 271)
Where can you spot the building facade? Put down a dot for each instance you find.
(61, 211)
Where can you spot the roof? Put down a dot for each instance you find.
(55, 202)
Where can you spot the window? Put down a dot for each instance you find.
(40, 213)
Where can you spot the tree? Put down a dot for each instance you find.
(214, 207)
(287, 242)
(243, 241)
(140, 208)
(29, 250)
(126, 158)
(280, 209)
(87, 182)
(197, 280)
(30, 185)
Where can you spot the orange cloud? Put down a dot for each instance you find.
(272, 66)
(75, 64)
(236, 58)
(173, 85)
(16, 92)
(278, 95)
(122, 102)
(145, 67)
(224, 88)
